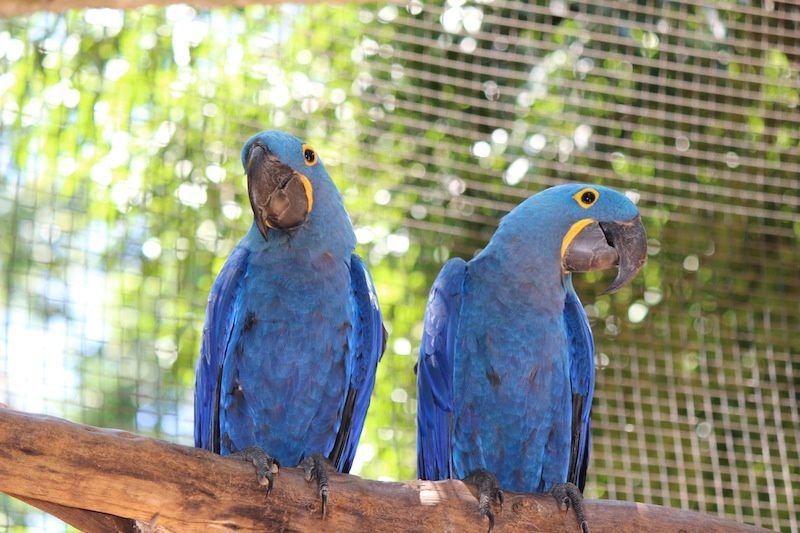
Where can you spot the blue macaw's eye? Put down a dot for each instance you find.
(586, 197)
(309, 155)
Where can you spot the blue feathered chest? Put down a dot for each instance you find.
(283, 384)
(512, 410)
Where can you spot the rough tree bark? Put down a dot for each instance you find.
(13, 8)
(62, 466)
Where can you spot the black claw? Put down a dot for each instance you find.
(489, 514)
(316, 467)
(488, 491)
(568, 495)
(263, 463)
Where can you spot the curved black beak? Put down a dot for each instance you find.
(281, 197)
(601, 245)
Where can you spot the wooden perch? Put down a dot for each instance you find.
(67, 466)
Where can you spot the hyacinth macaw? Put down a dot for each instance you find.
(506, 367)
(293, 331)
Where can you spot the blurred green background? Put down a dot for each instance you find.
(121, 194)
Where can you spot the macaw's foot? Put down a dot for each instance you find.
(316, 467)
(265, 465)
(489, 491)
(568, 495)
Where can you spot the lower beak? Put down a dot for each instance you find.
(280, 196)
(601, 245)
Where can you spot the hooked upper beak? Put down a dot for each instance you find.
(591, 245)
(280, 196)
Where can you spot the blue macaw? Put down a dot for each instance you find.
(293, 331)
(506, 366)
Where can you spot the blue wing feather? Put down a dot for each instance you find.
(216, 334)
(435, 372)
(581, 352)
(366, 348)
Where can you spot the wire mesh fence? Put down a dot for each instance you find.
(121, 194)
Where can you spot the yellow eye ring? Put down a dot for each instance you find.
(586, 197)
(309, 155)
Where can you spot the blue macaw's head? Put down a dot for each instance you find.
(283, 174)
(588, 227)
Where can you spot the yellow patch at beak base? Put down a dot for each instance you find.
(309, 191)
(572, 233)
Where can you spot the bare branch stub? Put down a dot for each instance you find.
(85, 521)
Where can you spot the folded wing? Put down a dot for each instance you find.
(435, 373)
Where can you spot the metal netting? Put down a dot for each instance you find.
(121, 194)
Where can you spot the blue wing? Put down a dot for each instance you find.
(581, 352)
(366, 348)
(216, 335)
(435, 372)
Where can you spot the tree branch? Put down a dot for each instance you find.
(13, 8)
(118, 473)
